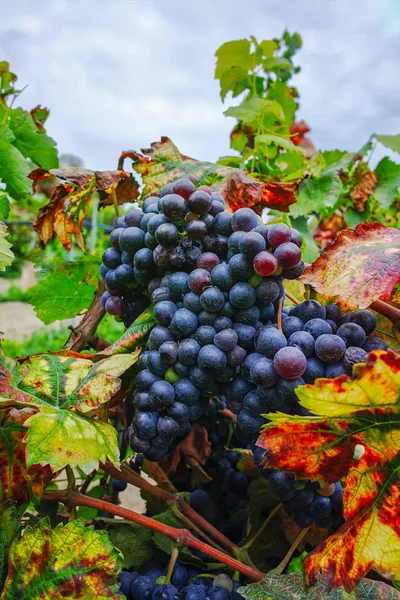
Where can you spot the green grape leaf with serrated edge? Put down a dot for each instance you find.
(390, 141)
(31, 142)
(71, 561)
(387, 187)
(291, 587)
(14, 169)
(64, 389)
(65, 290)
(317, 194)
(6, 254)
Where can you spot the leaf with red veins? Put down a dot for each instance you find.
(369, 540)
(376, 384)
(18, 483)
(357, 437)
(309, 447)
(360, 266)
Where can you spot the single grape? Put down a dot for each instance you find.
(199, 202)
(216, 208)
(309, 309)
(263, 373)
(212, 299)
(161, 256)
(333, 312)
(145, 424)
(183, 323)
(330, 348)
(269, 340)
(352, 334)
(221, 277)
(315, 368)
(265, 263)
(223, 223)
(250, 425)
(132, 239)
(252, 243)
(174, 207)
(166, 189)
(374, 343)
(248, 316)
(222, 322)
(207, 261)
(168, 352)
(178, 285)
(288, 255)
(241, 267)
(366, 319)
(163, 312)
(114, 305)
(186, 392)
(197, 230)
(244, 219)
(211, 358)
(236, 356)
(155, 364)
(167, 234)
(167, 427)
(303, 340)
(268, 291)
(111, 258)
(317, 327)
(296, 238)
(278, 234)
(294, 272)
(183, 187)
(290, 362)
(245, 335)
(242, 295)
(158, 335)
(352, 356)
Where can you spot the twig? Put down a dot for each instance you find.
(126, 474)
(283, 564)
(292, 298)
(182, 537)
(387, 310)
(84, 335)
(263, 526)
(115, 201)
(172, 562)
(280, 314)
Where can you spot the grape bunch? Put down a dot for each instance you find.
(315, 341)
(185, 584)
(172, 231)
(304, 500)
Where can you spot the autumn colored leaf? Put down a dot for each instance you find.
(69, 204)
(18, 482)
(39, 115)
(71, 561)
(134, 337)
(63, 389)
(162, 163)
(241, 190)
(356, 437)
(363, 190)
(10, 527)
(290, 587)
(360, 266)
(195, 446)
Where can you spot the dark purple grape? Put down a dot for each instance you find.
(184, 187)
(207, 261)
(133, 217)
(244, 219)
(288, 255)
(196, 230)
(174, 207)
(199, 280)
(278, 234)
(200, 202)
(114, 305)
(290, 362)
(330, 348)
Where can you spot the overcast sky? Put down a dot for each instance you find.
(118, 74)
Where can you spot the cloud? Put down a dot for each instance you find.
(118, 74)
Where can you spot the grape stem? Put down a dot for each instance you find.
(283, 564)
(182, 537)
(387, 310)
(84, 335)
(172, 562)
(115, 201)
(260, 530)
(126, 474)
(280, 314)
(292, 298)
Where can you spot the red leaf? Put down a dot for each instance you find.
(360, 266)
(241, 190)
(195, 445)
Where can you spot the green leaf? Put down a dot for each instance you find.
(290, 587)
(283, 94)
(133, 541)
(309, 249)
(387, 187)
(6, 255)
(337, 160)
(31, 142)
(354, 217)
(66, 290)
(4, 205)
(233, 54)
(278, 140)
(390, 141)
(59, 438)
(254, 108)
(73, 561)
(276, 63)
(317, 194)
(10, 526)
(14, 169)
(60, 387)
(268, 48)
(235, 80)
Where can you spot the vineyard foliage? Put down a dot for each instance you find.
(62, 413)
